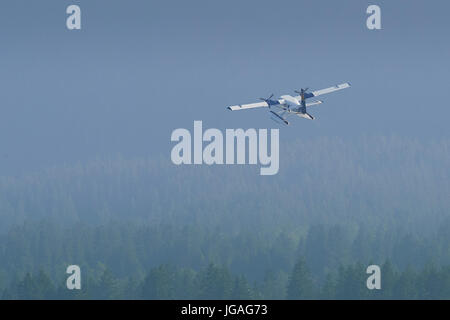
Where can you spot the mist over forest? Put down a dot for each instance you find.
(137, 223)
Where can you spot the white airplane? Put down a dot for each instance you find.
(290, 105)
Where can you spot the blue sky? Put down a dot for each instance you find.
(140, 69)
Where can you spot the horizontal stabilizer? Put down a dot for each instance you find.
(314, 103)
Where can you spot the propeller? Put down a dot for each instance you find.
(267, 100)
(302, 92)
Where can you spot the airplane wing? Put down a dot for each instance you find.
(249, 106)
(295, 100)
(325, 91)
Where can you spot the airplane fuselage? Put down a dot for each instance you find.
(291, 105)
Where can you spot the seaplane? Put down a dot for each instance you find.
(288, 105)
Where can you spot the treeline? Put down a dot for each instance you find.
(335, 202)
(131, 248)
(214, 282)
(116, 258)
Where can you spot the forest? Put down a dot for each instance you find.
(143, 228)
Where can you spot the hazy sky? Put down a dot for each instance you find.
(139, 69)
